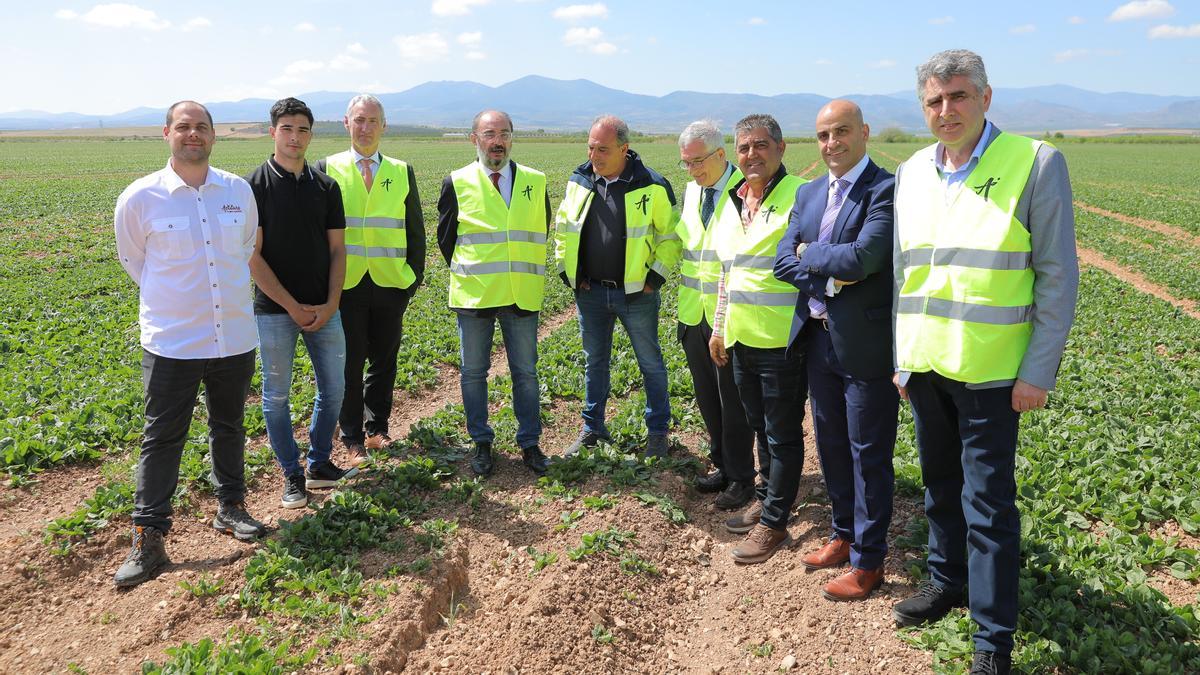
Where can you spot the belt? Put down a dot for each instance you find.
(604, 282)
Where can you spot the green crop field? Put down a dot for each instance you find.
(1108, 475)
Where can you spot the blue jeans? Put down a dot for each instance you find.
(967, 442)
(599, 308)
(277, 334)
(520, 344)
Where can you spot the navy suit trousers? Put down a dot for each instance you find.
(855, 424)
(967, 439)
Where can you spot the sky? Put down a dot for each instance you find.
(80, 56)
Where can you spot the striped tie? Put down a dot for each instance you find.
(817, 307)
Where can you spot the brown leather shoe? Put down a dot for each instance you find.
(835, 552)
(378, 441)
(356, 455)
(746, 520)
(760, 544)
(853, 585)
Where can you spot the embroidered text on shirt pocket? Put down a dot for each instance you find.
(171, 237)
(232, 232)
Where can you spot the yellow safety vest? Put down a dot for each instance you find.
(700, 268)
(760, 308)
(376, 240)
(650, 239)
(965, 309)
(500, 254)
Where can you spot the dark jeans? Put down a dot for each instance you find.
(967, 439)
(373, 331)
(773, 383)
(170, 386)
(520, 345)
(855, 424)
(730, 440)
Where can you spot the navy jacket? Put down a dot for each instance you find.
(859, 250)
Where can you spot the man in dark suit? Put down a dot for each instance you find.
(837, 251)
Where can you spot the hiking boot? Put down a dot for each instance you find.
(930, 603)
(657, 445)
(326, 474)
(482, 461)
(356, 455)
(533, 458)
(294, 494)
(587, 439)
(234, 519)
(146, 556)
(991, 663)
(738, 494)
(746, 520)
(715, 481)
(760, 544)
(378, 442)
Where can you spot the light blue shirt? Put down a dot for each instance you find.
(956, 178)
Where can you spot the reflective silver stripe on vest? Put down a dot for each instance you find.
(497, 268)
(709, 287)
(376, 251)
(758, 262)
(964, 311)
(394, 223)
(704, 255)
(481, 238)
(689, 282)
(665, 237)
(527, 236)
(762, 298)
(967, 257)
(570, 227)
(635, 232)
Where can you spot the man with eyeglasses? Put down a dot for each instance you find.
(385, 264)
(730, 440)
(493, 222)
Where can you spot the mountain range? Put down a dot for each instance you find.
(570, 105)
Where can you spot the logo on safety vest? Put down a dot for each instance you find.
(527, 192)
(387, 184)
(987, 186)
(643, 202)
(767, 216)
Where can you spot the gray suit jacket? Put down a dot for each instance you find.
(1045, 209)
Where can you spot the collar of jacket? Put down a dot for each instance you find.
(733, 190)
(635, 172)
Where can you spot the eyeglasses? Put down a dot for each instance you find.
(490, 136)
(695, 163)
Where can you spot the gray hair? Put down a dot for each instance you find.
(367, 98)
(479, 115)
(759, 121)
(703, 130)
(616, 124)
(945, 65)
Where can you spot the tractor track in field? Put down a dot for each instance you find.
(1173, 231)
(1138, 281)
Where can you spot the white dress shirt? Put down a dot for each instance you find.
(506, 181)
(376, 159)
(189, 250)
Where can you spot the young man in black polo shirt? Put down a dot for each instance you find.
(298, 265)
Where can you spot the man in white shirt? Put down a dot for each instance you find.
(184, 235)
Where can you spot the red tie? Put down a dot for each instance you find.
(496, 181)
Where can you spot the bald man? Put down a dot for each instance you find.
(838, 253)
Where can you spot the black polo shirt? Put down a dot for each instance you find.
(295, 215)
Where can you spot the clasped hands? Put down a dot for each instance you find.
(311, 318)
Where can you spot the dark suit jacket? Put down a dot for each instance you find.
(860, 250)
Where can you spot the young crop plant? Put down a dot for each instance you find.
(607, 542)
(541, 560)
(632, 563)
(569, 520)
(600, 502)
(666, 506)
(602, 635)
(204, 587)
(237, 653)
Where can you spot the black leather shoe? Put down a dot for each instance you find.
(481, 460)
(533, 458)
(929, 604)
(991, 663)
(736, 495)
(715, 481)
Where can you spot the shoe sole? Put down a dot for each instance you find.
(314, 483)
(909, 620)
(294, 505)
(812, 568)
(709, 489)
(864, 596)
(787, 541)
(221, 527)
(740, 529)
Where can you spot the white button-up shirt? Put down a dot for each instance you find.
(189, 250)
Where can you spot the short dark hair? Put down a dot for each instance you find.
(290, 106)
(171, 111)
(758, 121)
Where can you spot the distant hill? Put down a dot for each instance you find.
(570, 105)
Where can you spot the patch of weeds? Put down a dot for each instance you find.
(205, 586)
(602, 635)
(552, 489)
(114, 498)
(469, 492)
(666, 506)
(609, 542)
(236, 654)
(569, 520)
(762, 651)
(629, 595)
(541, 560)
(456, 607)
(600, 502)
(20, 480)
(106, 618)
(75, 668)
(435, 533)
(631, 563)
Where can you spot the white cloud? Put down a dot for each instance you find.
(117, 15)
(590, 39)
(473, 38)
(455, 7)
(581, 12)
(1023, 29)
(882, 63)
(348, 62)
(942, 20)
(304, 27)
(197, 23)
(756, 21)
(422, 46)
(1142, 9)
(1165, 31)
(303, 67)
(475, 55)
(1075, 20)
(1078, 54)
(356, 48)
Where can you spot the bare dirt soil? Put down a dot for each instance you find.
(1139, 282)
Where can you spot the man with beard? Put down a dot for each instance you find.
(493, 220)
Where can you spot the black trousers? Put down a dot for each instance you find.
(171, 386)
(373, 320)
(730, 439)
